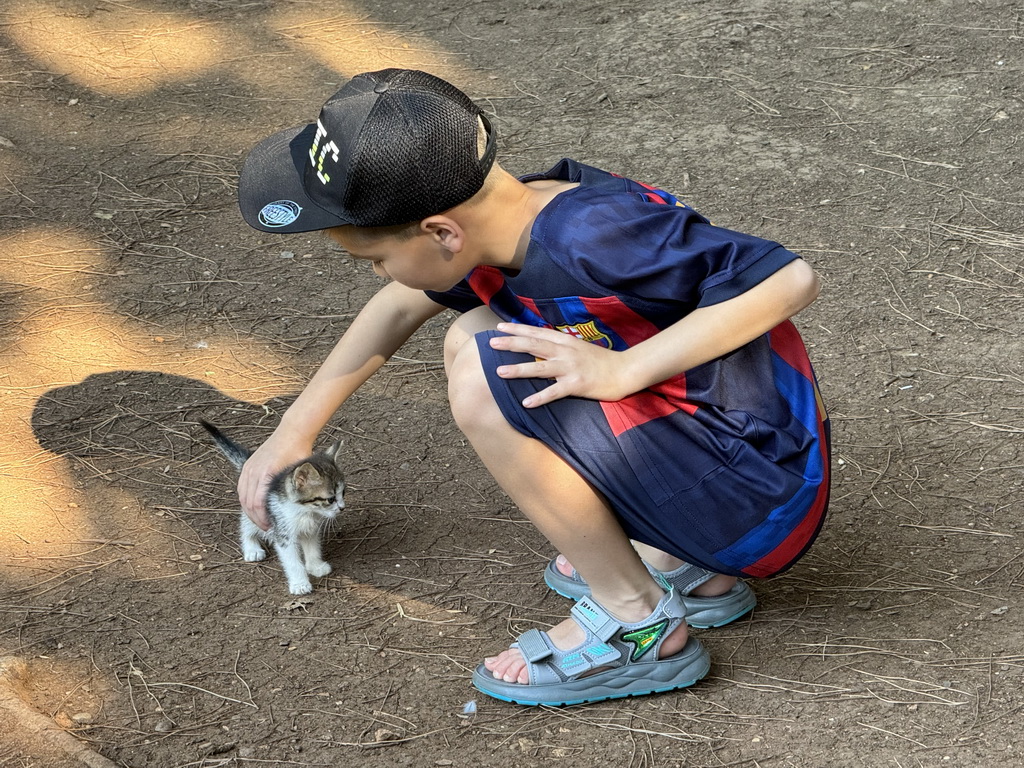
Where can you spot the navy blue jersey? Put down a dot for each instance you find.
(725, 465)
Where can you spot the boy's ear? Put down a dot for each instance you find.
(446, 232)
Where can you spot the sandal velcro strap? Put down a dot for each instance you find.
(595, 619)
(685, 579)
(593, 656)
(547, 664)
(531, 644)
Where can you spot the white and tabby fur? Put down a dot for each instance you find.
(303, 500)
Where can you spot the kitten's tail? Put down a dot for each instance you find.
(236, 453)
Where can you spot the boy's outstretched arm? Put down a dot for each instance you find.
(583, 369)
(381, 327)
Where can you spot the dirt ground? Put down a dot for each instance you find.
(881, 140)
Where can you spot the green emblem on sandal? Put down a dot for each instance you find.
(645, 639)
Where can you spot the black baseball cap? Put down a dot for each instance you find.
(390, 147)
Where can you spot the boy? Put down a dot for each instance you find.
(625, 371)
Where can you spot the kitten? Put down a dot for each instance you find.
(302, 500)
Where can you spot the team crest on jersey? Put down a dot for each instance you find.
(587, 332)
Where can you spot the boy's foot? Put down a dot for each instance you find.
(510, 666)
(595, 656)
(711, 600)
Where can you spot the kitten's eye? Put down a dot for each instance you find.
(330, 502)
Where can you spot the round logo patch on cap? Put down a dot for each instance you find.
(279, 213)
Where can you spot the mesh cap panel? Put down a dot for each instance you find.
(416, 155)
(390, 147)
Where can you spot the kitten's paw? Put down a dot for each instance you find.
(300, 588)
(254, 554)
(318, 569)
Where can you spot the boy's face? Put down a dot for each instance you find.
(420, 262)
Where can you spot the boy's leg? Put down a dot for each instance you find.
(663, 561)
(569, 512)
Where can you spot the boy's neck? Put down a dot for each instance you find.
(502, 221)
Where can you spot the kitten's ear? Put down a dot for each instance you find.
(305, 474)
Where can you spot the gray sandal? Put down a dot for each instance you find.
(625, 654)
(701, 612)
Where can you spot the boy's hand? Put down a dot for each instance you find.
(579, 368)
(270, 458)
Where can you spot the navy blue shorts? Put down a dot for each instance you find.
(719, 489)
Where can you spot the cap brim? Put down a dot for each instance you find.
(270, 192)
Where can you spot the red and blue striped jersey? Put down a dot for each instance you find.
(725, 465)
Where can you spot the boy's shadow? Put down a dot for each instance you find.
(137, 432)
(139, 414)
(131, 444)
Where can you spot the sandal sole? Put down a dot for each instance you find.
(721, 623)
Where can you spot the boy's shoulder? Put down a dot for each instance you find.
(575, 172)
(600, 187)
(621, 232)
(604, 205)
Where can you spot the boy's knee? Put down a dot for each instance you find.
(456, 338)
(468, 392)
(463, 331)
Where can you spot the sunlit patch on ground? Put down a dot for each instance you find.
(130, 50)
(54, 332)
(349, 42)
(118, 50)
